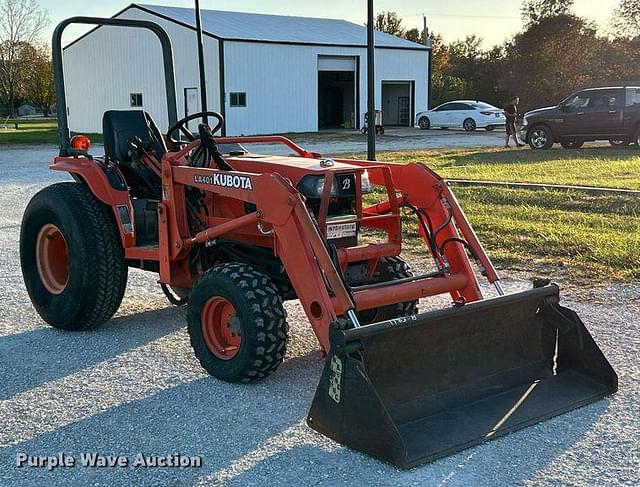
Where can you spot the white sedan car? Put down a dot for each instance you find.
(469, 115)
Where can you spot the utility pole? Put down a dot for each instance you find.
(371, 84)
(425, 34)
(425, 31)
(201, 61)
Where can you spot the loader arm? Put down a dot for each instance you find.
(315, 276)
(279, 207)
(423, 189)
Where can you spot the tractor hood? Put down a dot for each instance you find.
(294, 168)
(314, 165)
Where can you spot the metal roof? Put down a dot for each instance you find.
(252, 27)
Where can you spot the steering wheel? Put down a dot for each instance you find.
(181, 125)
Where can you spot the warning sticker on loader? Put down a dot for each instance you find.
(335, 379)
(342, 230)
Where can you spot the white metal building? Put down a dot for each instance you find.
(267, 74)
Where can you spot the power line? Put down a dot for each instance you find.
(504, 17)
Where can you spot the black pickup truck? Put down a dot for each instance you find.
(611, 113)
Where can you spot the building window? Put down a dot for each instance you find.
(136, 100)
(238, 99)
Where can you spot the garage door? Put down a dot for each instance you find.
(336, 63)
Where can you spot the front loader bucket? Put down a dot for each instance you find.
(411, 390)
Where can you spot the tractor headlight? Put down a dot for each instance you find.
(313, 187)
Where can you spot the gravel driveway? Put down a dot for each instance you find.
(395, 139)
(134, 386)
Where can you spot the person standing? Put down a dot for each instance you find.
(511, 114)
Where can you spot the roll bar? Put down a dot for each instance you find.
(58, 71)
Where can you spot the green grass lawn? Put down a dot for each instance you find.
(34, 132)
(590, 237)
(600, 166)
(30, 132)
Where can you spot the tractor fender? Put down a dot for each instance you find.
(111, 191)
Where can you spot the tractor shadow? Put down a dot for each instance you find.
(245, 433)
(33, 358)
(204, 417)
(510, 460)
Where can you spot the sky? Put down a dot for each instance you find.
(493, 20)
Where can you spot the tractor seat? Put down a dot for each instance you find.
(120, 128)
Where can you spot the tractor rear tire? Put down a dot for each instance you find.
(237, 323)
(72, 258)
(389, 269)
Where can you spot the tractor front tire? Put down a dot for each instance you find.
(389, 269)
(72, 258)
(237, 323)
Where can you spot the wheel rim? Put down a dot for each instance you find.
(52, 259)
(424, 123)
(469, 125)
(539, 139)
(221, 328)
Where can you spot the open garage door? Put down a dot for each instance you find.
(398, 103)
(337, 92)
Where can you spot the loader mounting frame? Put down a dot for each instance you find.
(295, 236)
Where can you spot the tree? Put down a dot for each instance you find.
(390, 23)
(551, 58)
(536, 10)
(465, 70)
(21, 22)
(38, 84)
(439, 52)
(446, 88)
(415, 35)
(445, 85)
(627, 18)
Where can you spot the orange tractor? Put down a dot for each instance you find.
(234, 234)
